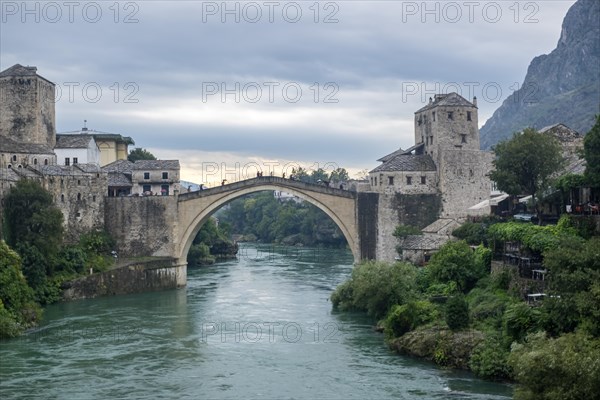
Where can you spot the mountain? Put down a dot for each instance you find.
(560, 87)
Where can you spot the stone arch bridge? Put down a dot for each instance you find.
(165, 226)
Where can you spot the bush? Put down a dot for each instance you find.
(407, 317)
(487, 306)
(375, 287)
(457, 313)
(519, 320)
(489, 360)
(199, 255)
(456, 262)
(567, 368)
(97, 242)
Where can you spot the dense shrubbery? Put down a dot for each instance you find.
(566, 368)
(375, 287)
(457, 263)
(457, 313)
(454, 296)
(409, 316)
(18, 311)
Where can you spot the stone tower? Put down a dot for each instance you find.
(27, 113)
(448, 122)
(448, 128)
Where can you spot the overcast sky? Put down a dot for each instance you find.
(313, 83)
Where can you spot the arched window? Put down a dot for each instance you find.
(19, 166)
(46, 161)
(35, 161)
(78, 196)
(62, 198)
(9, 166)
(15, 157)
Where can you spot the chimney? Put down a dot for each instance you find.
(430, 100)
(475, 101)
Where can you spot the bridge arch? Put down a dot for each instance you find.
(195, 208)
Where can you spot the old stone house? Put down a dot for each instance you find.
(436, 182)
(68, 165)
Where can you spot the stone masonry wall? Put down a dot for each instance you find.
(27, 110)
(464, 181)
(142, 226)
(406, 209)
(134, 278)
(80, 197)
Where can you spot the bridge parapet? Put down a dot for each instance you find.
(281, 183)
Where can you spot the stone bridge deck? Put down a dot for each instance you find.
(268, 180)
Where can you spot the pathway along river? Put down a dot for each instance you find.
(259, 327)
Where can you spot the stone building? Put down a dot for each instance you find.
(436, 182)
(143, 178)
(111, 146)
(76, 149)
(27, 107)
(31, 149)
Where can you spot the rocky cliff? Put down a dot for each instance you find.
(560, 87)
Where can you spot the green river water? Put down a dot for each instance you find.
(259, 327)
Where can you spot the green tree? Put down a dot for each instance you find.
(457, 312)
(140, 154)
(31, 218)
(591, 153)
(375, 287)
(17, 308)
(526, 163)
(456, 262)
(339, 175)
(566, 368)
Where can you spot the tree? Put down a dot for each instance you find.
(565, 368)
(591, 153)
(140, 154)
(32, 219)
(17, 309)
(456, 262)
(457, 313)
(339, 175)
(526, 163)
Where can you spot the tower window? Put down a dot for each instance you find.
(14, 158)
(390, 180)
(409, 180)
(35, 161)
(433, 115)
(463, 138)
(423, 180)
(78, 196)
(46, 161)
(468, 115)
(450, 115)
(431, 139)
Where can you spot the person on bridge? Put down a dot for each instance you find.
(283, 175)
(223, 182)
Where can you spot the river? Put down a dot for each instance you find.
(259, 327)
